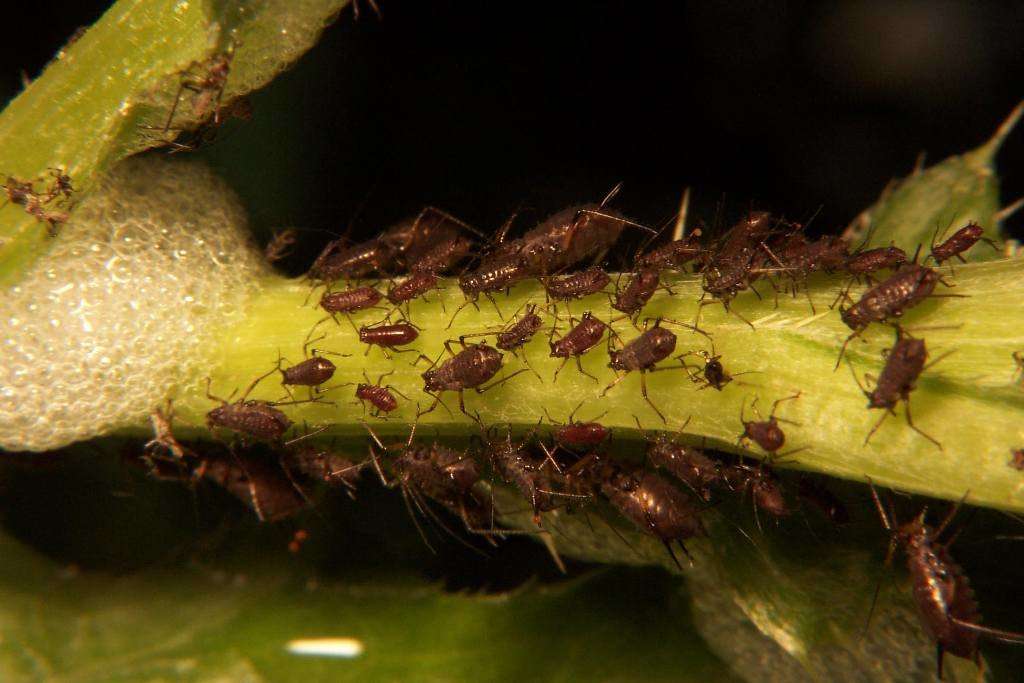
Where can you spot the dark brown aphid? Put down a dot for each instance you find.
(514, 463)
(577, 341)
(713, 374)
(801, 256)
(764, 486)
(521, 331)
(653, 505)
(259, 419)
(493, 275)
(1017, 458)
(577, 285)
(322, 465)
(349, 300)
(675, 254)
(826, 502)
(872, 260)
(741, 257)
(468, 369)
(443, 256)
(687, 464)
(381, 397)
(416, 285)
(444, 476)
(765, 433)
(208, 85)
(945, 600)
(641, 355)
(261, 485)
(573, 434)
(960, 241)
(311, 372)
(280, 245)
(390, 336)
(638, 291)
(889, 299)
(337, 261)
(904, 363)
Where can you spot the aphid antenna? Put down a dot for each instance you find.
(688, 326)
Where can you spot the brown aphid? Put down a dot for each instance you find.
(904, 363)
(765, 433)
(889, 299)
(262, 486)
(944, 597)
(575, 434)
(416, 285)
(872, 260)
(764, 486)
(280, 245)
(959, 242)
(638, 291)
(1017, 458)
(675, 254)
(311, 372)
(349, 300)
(577, 341)
(514, 463)
(713, 374)
(641, 355)
(322, 465)
(687, 464)
(577, 285)
(389, 336)
(653, 505)
(337, 261)
(826, 502)
(470, 368)
(521, 331)
(259, 419)
(801, 256)
(208, 85)
(442, 256)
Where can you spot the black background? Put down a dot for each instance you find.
(485, 108)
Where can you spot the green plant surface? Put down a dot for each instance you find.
(108, 94)
(236, 624)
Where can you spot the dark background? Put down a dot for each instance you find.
(483, 108)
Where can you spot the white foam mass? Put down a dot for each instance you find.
(103, 327)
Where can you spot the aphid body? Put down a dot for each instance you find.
(417, 284)
(687, 464)
(471, 367)
(959, 242)
(348, 300)
(397, 334)
(644, 352)
(905, 289)
(311, 372)
(521, 331)
(253, 418)
(638, 291)
(584, 336)
(577, 285)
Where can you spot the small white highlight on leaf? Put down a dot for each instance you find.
(347, 648)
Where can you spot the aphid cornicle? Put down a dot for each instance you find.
(653, 505)
(904, 363)
(945, 600)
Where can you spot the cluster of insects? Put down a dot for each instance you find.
(49, 205)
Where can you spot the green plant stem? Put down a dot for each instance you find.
(968, 401)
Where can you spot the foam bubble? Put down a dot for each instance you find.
(104, 326)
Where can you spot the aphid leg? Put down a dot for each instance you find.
(781, 400)
(842, 349)
(458, 310)
(499, 382)
(579, 366)
(910, 422)
(643, 391)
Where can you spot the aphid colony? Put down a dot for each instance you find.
(573, 465)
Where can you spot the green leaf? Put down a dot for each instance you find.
(963, 188)
(197, 624)
(107, 95)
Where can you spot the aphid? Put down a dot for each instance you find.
(575, 434)
(642, 354)
(577, 285)
(389, 336)
(442, 475)
(381, 397)
(349, 300)
(765, 489)
(515, 465)
(251, 418)
(638, 291)
(1017, 458)
(904, 363)
(713, 374)
(945, 600)
(261, 485)
(280, 245)
(765, 433)
(675, 254)
(323, 465)
(337, 261)
(871, 260)
(890, 299)
(959, 242)
(687, 464)
(653, 505)
(518, 333)
(311, 372)
(815, 493)
(208, 85)
(467, 369)
(163, 435)
(737, 262)
(577, 341)
(802, 256)
(416, 285)
(60, 186)
(20, 192)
